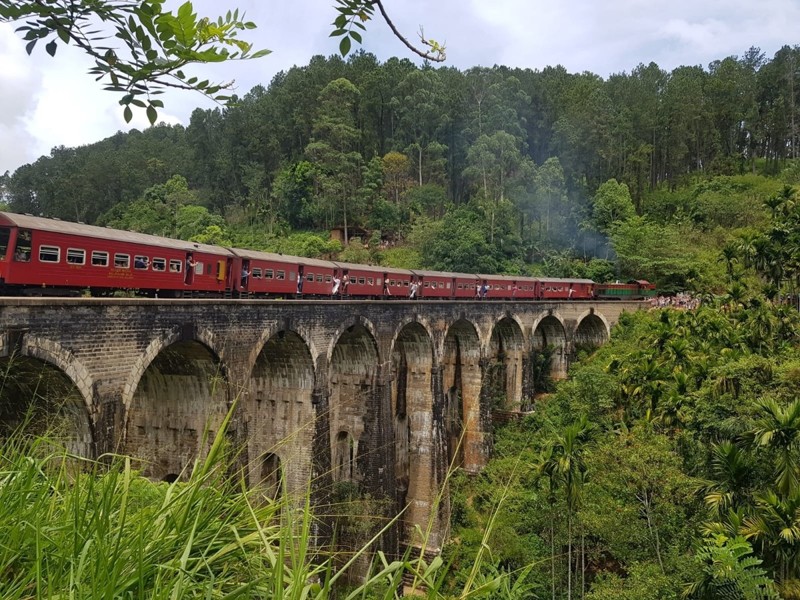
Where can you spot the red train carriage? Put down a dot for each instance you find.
(360, 281)
(398, 282)
(508, 287)
(263, 274)
(43, 256)
(434, 284)
(466, 286)
(551, 288)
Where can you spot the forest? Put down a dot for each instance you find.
(494, 169)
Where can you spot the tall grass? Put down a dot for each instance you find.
(76, 529)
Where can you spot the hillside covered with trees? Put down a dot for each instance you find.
(648, 173)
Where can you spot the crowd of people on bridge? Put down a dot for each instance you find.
(681, 300)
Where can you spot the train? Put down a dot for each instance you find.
(42, 256)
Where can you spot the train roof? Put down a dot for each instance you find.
(425, 273)
(372, 268)
(504, 277)
(562, 280)
(276, 257)
(106, 233)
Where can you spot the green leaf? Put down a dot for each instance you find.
(63, 34)
(152, 114)
(356, 36)
(29, 46)
(127, 114)
(51, 48)
(344, 46)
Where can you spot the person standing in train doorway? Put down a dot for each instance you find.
(412, 294)
(300, 280)
(190, 266)
(336, 283)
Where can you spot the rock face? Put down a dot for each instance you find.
(381, 395)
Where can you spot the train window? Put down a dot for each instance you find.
(292, 276)
(370, 281)
(159, 264)
(122, 261)
(268, 274)
(320, 278)
(49, 254)
(448, 285)
(361, 280)
(141, 262)
(76, 256)
(175, 265)
(280, 275)
(310, 277)
(99, 258)
(208, 269)
(391, 282)
(379, 281)
(327, 278)
(5, 235)
(427, 284)
(256, 273)
(405, 283)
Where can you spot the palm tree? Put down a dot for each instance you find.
(778, 428)
(564, 466)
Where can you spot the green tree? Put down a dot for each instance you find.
(612, 204)
(334, 153)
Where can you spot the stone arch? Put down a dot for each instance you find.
(45, 387)
(279, 414)
(206, 337)
(352, 380)
(416, 481)
(549, 337)
(461, 378)
(592, 331)
(269, 332)
(177, 408)
(505, 352)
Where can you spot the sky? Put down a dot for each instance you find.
(47, 102)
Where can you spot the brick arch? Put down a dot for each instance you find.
(278, 413)
(589, 314)
(462, 378)
(54, 353)
(176, 406)
(486, 343)
(505, 353)
(348, 326)
(154, 348)
(415, 450)
(555, 335)
(418, 321)
(273, 330)
(352, 367)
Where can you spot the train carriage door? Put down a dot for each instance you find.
(22, 245)
(245, 276)
(189, 268)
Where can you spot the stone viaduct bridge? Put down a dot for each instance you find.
(385, 395)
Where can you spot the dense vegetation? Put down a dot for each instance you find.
(669, 462)
(488, 169)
